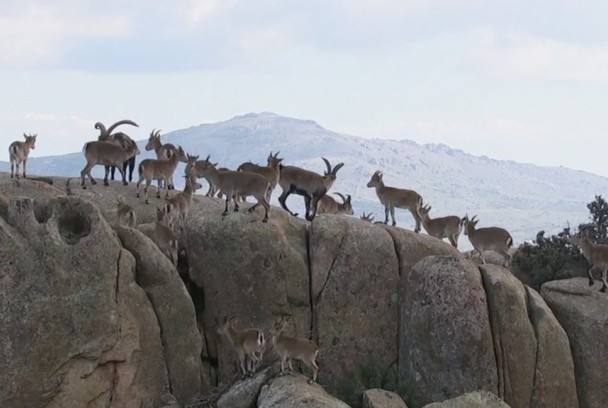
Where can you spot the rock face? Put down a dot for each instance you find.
(246, 267)
(354, 295)
(74, 325)
(582, 312)
(513, 335)
(554, 380)
(294, 391)
(377, 398)
(182, 342)
(471, 400)
(446, 335)
(244, 393)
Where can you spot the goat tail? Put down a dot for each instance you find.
(140, 169)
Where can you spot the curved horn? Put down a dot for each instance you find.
(327, 164)
(208, 157)
(157, 133)
(120, 122)
(338, 167)
(348, 197)
(276, 154)
(342, 197)
(100, 126)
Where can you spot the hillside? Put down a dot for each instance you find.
(524, 198)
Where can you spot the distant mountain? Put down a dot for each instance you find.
(523, 198)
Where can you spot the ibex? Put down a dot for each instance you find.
(448, 227)
(163, 151)
(288, 348)
(160, 170)
(249, 344)
(271, 171)
(19, 151)
(488, 239)
(328, 205)
(308, 184)
(236, 183)
(392, 197)
(179, 204)
(106, 135)
(595, 254)
(107, 154)
(163, 236)
(125, 215)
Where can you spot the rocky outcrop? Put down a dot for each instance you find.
(244, 393)
(75, 327)
(446, 337)
(583, 313)
(512, 334)
(377, 398)
(246, 267)
(182, 342)
(471, 400)
(554, 376)
(294, 391)
(354, 295)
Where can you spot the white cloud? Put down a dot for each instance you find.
(260, 42)
(199, 10)
(40, 35)
(529, 57)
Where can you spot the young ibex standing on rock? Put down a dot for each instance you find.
(308, 184)
(288, 348)
(328, 205)
(107, 154)
(125, 215)
(163, 236)
(106, 135)
(448, 227)
(163, 151)
(179, 204)
(595, 254)
(271, 171)
(160, 170)
(19, 151)
(392, 197)
(249, 344)
(237, 183)
(488, 239)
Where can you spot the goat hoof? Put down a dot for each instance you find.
(591, 282)
(147, 202)
(603, 289)
(225, 213)
(93, 182)
(265, 219)
(84, 187)
(124, 183)
(105, 183)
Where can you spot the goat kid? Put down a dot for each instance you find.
(448, 227)
(18, 153)
(392, 197)
(595, 254)
(160, 170)
(488, 239)
(249, 344)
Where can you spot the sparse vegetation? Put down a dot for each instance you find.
(555, 257)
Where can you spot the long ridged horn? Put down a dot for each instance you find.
(328, 166)
(338, 167)
(342, 197)
(120, 122)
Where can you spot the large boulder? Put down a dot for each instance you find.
(377, 398)
(182, 342)
(471, 400)
(244, 393)
(554, 380)
(246, 267)
(513, 335)
(354, 281)
(582, 312)
(294, 391)
(446, 338)
(75, 329)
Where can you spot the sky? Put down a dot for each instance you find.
(509, 79)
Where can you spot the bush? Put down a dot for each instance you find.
(549, 258)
